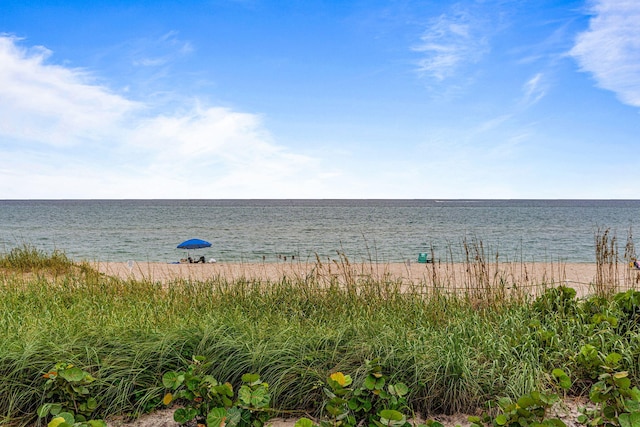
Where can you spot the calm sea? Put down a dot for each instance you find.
(364, 230)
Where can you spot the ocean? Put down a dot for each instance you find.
(362, 230)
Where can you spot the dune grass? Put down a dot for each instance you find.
(453, 352)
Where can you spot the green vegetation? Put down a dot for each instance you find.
(442, 353)
(206, 400)
(27, 259)
(67, 391)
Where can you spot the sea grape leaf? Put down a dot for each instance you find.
(74, 374)
(304, 422)
(216, 417)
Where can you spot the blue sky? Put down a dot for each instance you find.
(319, 99)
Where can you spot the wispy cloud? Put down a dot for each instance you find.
(534, 89)
(610, 48)
(62, 135)
(450, 42)
(160, 51)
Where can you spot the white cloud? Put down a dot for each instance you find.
(534, 89)
(64, 136)
(610, 48)
(51, 104)
(450, 42)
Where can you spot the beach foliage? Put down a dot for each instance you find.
(375, 402)
(69, 398)
(617, 401)
(443, 352)
(209, 402)
(27, 258)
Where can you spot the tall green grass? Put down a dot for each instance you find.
(28, 258)
(453, 352)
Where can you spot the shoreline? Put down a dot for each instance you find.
(445, 276)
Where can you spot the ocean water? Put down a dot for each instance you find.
(269, 230)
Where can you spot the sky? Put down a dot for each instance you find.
(397, 99)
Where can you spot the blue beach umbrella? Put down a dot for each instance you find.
(194, 244)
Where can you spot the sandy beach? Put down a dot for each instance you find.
(450, 276)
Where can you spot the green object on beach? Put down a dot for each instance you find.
(422, 258)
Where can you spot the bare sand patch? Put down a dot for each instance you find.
(524, 276)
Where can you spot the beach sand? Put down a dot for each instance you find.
(446, 276)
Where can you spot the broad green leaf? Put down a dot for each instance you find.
(209, 379)
(555, 422)
(192, 383)
(216, 417)
(228, 389)
(548, 398)
(68, 417)
(504, 402)
(226, 402)
(526, 402)
(169, 379)
(304, 422)
(565, 382)
(632, 405)
(609, 412)
(623, 383)
(43, 410)
(557, 373)
(251, 378)
(629, 419)
(501, 419)
(97, 423)
(184, 415)
(92, 404)
(624, 420)
(224, 389)
(244, 395)
(392, 415)
(237, 416)
(563, 378)
(58, 422)
(370, 382)
(595, 396)
(80, 389)
(354, 404)
(401, 389)
(613, 359)
(74, 374)
(260, 398)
